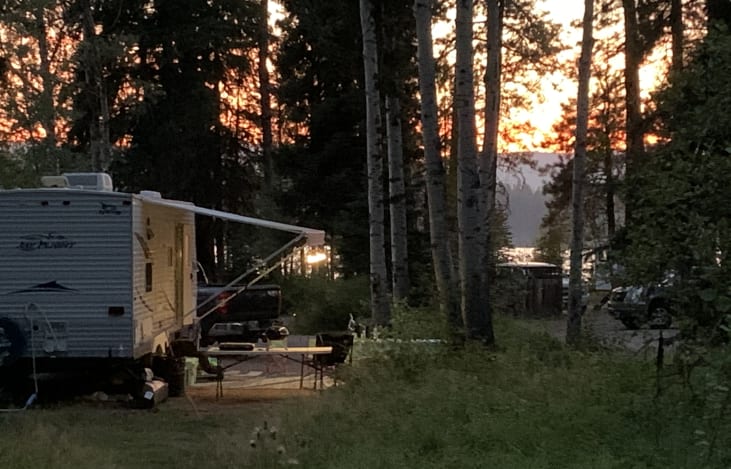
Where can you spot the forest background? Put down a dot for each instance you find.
(263, 108)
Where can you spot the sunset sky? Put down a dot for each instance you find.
(545, 114)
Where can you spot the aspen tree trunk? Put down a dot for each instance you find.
(573, 325)
(471, 247)
(397, 200)
(265, 95)
(435, 173)
(489, 157)
(493, 75)
(380, 306)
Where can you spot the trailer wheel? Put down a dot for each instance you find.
(12, 342)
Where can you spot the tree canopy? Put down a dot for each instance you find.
(683, 214)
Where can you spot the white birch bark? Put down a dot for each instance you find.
(573, 324)
(468, 180)
(435, 173)
(380, 306)
(397, 201)
(489, 157)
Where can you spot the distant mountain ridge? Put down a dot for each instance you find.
(525, 200)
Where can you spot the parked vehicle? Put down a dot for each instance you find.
(226, 332)
(236, 314)
(637, 306)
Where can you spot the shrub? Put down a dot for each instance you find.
(408, 323)
(319, 304)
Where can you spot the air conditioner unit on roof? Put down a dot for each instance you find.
(54, 181)
(90, 181)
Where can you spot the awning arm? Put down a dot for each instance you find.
(312, 236)
(274, 255)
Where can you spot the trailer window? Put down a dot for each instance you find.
(148, 277)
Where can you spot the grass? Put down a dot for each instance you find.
(531, 404)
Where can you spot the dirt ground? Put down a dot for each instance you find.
(261, 379)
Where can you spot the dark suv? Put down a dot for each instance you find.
(637, 306)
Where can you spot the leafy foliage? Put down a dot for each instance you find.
(411, 323)
(321, 305)
(682, 219)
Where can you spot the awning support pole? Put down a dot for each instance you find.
(272, 256)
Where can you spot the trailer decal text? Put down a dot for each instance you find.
(45, 241)
(109, 209)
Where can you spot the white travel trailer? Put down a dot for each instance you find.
(90, 277)
(91, 273)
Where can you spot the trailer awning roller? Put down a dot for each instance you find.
(312, 236)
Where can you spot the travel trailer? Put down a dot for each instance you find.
(94, 279)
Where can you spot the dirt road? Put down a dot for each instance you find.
(599, 324)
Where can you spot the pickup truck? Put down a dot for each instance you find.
(245, 317)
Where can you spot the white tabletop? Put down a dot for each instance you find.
(216, 351)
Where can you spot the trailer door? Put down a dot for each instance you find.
(181, 254)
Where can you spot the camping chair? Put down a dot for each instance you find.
(342, 348)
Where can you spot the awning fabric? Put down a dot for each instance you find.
(312, 236)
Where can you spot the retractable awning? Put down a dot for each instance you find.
(312, 236)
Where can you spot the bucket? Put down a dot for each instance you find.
(191, 370)
(176, 377)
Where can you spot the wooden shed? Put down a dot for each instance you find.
(529, 289)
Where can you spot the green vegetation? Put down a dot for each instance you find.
(532, 404)
(681, 222)
(320, 305)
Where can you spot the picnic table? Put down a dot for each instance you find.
(229, 355)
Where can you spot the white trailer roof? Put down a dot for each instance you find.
(312, 236)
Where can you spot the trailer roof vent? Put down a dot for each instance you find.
(54, 181)
(90, 181)
(151, 194)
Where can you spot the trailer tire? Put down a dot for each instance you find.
(14, 343)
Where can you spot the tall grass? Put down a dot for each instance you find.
(534, 404)
(531, 404)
